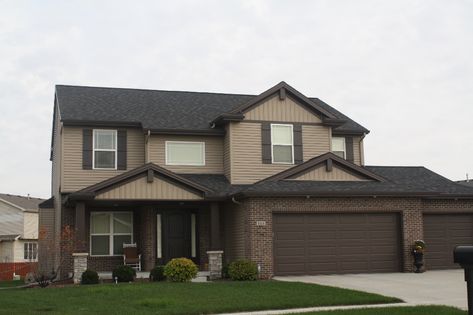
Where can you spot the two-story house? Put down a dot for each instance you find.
(278, 178)
(18, 235)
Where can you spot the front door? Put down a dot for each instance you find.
(177, 235)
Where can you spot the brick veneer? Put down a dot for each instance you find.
(259, 245)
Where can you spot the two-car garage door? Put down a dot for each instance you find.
(307, 244)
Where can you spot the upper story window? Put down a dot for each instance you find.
(109, 231)
(339, 147)
(105, 149)
(282, 143)
(30, 251)
(185, 153)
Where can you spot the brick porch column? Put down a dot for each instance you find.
(80, 253)
(147, 237)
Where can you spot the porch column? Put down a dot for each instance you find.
(80, 244)
(216, 252)
(147, 235)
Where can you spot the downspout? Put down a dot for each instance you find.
(362, 150)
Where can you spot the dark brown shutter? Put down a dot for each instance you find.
(266, 142)
(349, 148)
(121, 149)
(87, 149)
(297, 129)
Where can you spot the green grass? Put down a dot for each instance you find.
(417, 310)
(13, 283)
(179, 298)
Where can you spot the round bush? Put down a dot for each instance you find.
(243, 270)
(124, 274)
(157, 274)
(89, 277)
(180, 270)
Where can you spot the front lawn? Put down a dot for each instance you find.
(180, 298)
(13, 283)
(417, 310)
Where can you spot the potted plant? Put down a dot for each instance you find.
(418, 253)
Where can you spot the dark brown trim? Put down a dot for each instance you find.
(310, 164)
(298, 143)
(80, 230)
(370, 194)
(221, 119)
(282, 94)
(215, 243)
(349, 149)
(87, 150)
(283, 122)
(341, 133)
(150, 178)
(121, 149)
(329, 166)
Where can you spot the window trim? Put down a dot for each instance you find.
(166, 155)
(33, 251)
(107, 150)
(111, 234)
(344, 147)
(273, 144)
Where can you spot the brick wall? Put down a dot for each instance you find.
(46, 239)
(259, 246)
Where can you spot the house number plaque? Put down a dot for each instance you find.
(260, 223)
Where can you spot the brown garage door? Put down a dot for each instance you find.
(306, 244)
(442, 232)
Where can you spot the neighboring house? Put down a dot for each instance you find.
(467, 182)
(278, 178)
(18, 235)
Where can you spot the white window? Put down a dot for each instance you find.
(109, 231)
(338, 147)
(282, 148)
(30, 251)
(105, 149)
(185, 153)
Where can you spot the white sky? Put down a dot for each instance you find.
(403, 69)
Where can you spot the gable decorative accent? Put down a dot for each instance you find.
(326, 167)
(142, 189)
(329, 173)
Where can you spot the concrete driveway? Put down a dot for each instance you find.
(445, 287)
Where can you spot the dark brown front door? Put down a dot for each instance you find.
(306, 244)
(442, 232)
(177, 235)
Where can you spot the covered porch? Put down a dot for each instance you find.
(166, 216)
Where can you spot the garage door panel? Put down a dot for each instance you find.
(442, 232)
(289, 236)
(288, 219)
(338, 243)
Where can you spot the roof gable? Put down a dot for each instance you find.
(162, 183)
(24, 203)
(321, 166)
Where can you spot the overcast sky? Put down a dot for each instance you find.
(403, 69)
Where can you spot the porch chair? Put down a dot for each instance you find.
(131, 257)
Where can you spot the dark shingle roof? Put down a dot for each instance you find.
(400, 180)
(157, 109)
(468, 183)
(9, 237)
(27, 203)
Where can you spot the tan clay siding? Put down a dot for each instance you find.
(276, 110)
(213, 153)
(226, 154)
(321, 174)
(75, 178)
(315, 141)
(140, 189)
(247, 166)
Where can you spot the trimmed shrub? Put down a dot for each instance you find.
(157, 274)
(89, 277)
(243, 270)
(180, 270)
(225, 271)
(124, 274)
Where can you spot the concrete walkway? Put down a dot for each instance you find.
(443, 287)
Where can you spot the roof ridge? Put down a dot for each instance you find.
(393, 166)
(150, 90)
(20, 196)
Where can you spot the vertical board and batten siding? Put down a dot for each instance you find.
(213, 154)
(140, 189)
(75, 178)
(277, 110)
(321, 174)
(11, 219)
